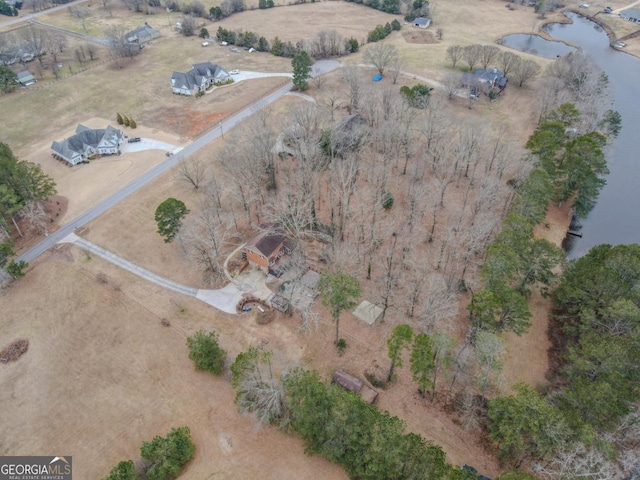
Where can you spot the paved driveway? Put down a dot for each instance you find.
(148, 144)
(224, 299)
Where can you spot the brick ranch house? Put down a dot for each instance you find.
(266, 248)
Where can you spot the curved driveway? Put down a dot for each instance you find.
(224, 299)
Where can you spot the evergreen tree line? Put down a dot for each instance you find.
(383, 31)
(585, 425)
(569, 166)
(24, 188)
(323, 45)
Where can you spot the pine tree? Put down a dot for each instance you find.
(132, 123)
(126, 121)
(119, 119)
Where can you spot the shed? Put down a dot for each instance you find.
(421, 22)
(354, 384)
(26, 78)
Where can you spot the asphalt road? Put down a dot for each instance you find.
(7, 21)
(85, 217)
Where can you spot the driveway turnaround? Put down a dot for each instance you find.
(224, 299)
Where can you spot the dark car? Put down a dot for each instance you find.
(472, 470)
(607, 10)
(134, 139)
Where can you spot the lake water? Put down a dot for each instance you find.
(616, 217)
(537, 45)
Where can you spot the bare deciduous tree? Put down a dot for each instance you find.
(396, 68)
(452, 83)
(381, 56)
(192, 172)
(35, 39)
(488, 54)
(524, 70)
(455, 53)
(472, 55)
(506, 61)
(351, 76)
(119, 47)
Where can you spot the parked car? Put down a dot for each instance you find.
(607, 10)
(469, 468)
(134, 139)
(235, 72)
(584, 5)
(205, 44)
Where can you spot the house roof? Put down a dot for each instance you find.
(26, 78)
(266, 243)
(142, 33)
(186, 81)
(422, 21)
(199, 75)
(86, 137)
(208, 69)
(492, 75)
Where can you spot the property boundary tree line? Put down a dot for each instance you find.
(596, 316)
(24, 189)
(586, 424)
(324, 44)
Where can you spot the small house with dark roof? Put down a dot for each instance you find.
(421, 22)
(266, 248)
(142, 34)
(87, 143)
(198, 79)
(485, 80)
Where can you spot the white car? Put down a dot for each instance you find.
(205, 44)
(584, 5)
(234, 72)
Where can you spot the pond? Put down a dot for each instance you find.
(536, 45)
(616, 217)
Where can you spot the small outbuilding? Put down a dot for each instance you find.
(25, 78)
(421, 22)
(354, 384)
(142, 34)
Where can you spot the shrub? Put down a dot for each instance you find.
(387, 200)
(167, 455)
(205, 351)
(204, 33)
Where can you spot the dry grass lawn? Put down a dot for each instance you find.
(102, 375)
